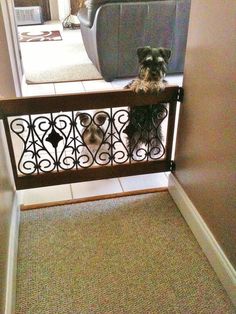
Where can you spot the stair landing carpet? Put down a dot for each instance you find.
(131, 254)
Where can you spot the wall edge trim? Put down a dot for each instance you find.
(211, 248)
(12, 257)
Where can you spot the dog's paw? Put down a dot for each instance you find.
(139, 86)
(131, 85)
(162, 85)
(157, 87)
(140, 90)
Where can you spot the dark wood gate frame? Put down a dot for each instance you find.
(88, 101)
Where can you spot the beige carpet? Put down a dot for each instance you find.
(58, 61)
(128, 255)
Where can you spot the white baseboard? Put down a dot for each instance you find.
(217, 258)
(12, 258)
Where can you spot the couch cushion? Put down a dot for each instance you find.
(93, 5)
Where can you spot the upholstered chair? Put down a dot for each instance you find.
(113, 30)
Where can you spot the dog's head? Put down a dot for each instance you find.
(153, 62)
(93, 132)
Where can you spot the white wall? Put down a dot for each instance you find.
(54, 9)
(60, 9)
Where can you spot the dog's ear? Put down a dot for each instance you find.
(142, 52)
(100, 118)
(166, 54)
(84, 118)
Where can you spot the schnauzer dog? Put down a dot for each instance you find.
(144, 126)
(152, 70)
(93, 136)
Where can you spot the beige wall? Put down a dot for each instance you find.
(10, 77)
(7, 194)
(206, 145)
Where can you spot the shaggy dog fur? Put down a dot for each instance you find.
(144, 126)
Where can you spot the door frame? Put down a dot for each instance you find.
(9, 20)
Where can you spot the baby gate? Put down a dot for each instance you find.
(46, 142)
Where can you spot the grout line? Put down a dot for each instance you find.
(83, 85)
(71, 191)
(54, 87)
(166, 175)
(121, 185)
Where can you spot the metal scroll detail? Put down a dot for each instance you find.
(75, 140)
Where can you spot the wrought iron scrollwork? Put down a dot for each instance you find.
(75, 140)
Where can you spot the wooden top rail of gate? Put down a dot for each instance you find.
(94, 100)
(29, 106)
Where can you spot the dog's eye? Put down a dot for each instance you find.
(84, 120)
(148, 62)
(160, 61)
(100, 118)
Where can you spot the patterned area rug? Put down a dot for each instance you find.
(58, 61)
(39, 36)
(131, 255)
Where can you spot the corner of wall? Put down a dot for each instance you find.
(215, 255)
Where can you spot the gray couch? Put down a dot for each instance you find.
(113, 30)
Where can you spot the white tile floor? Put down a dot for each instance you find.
(69, 88)
(142, 182)
(93, 188)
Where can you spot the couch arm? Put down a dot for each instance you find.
(87, 15)
(83, 17)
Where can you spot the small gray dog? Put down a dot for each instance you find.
(92, 133)
(93, 136)
(144, 126)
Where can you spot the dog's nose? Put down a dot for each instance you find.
(92, 140)
(153, 71)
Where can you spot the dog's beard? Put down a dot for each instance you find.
(146, 74)
(93, 138)
(149, 81)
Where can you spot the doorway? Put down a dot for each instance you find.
(51, 53)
